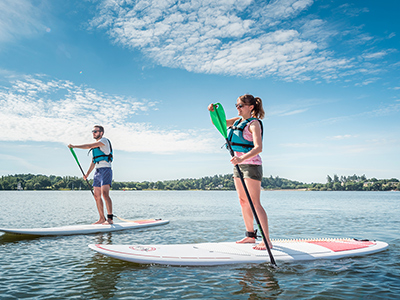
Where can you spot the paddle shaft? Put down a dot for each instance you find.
(271, 257)
(83, 173)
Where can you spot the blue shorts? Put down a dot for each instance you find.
(102, 176)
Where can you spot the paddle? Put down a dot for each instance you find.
(83, 173)
(219, 119)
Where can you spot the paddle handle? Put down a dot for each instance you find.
(271, 257)
(83, 173)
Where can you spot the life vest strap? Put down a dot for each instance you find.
(108, 157)
(242, 145)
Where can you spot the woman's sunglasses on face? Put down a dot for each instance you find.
(240, 105)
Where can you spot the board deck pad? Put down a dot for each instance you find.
(86, 229)
(232, 253)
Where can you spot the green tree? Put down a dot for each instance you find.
(335, 178)
(159, 185)
(337, 186)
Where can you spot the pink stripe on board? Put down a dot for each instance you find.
(343, 245)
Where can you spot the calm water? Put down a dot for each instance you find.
(65, 268)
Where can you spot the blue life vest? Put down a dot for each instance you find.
(99, 155)
(235, 135)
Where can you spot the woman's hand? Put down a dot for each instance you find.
(236, 160)
(210, 107)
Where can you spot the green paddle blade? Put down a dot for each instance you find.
(73, 153)
(219, 119)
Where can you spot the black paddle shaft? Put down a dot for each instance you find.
(271, 257)
(83, 173)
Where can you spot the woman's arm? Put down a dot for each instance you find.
(232, 121)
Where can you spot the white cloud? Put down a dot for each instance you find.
(36, 108)
(298, 106)
(352, 11)
(301, 145)
(367, 81)
(294, 112)
(224, 37)
(22, 161)
(19, 18)
(278, 10)
(375, 55)
(340, 137)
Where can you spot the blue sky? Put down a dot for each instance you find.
(327, 72)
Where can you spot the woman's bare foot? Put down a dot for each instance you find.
(261, 246)
(246, 240)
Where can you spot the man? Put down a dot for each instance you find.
(102, 158)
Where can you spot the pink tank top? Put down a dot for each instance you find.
(255, 160)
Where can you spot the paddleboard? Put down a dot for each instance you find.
(210, 254)
(86, 229)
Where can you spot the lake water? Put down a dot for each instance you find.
(65, 268)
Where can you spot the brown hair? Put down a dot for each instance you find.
(101, 128)
(258, 110)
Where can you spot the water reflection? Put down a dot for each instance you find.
(105, 272)
(103, 238)
(14, 238)
(258, 281)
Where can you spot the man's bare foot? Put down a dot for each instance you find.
(261, 246)
(109, 219)
(101, 221)
(246, 240)
(108, 222)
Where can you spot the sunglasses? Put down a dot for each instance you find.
(240, 105)
(95, 131)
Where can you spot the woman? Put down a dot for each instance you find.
(245, 135)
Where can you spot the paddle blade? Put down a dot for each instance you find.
(219, 119)
(73, 153)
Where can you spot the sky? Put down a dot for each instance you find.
(327, 72)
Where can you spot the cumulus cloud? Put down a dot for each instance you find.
(224, 37)
(36, 108)
(277, 11)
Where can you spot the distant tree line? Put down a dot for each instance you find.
(216, 182)
(357, 183)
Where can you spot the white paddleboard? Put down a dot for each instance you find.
(209, 254)
(86, 229)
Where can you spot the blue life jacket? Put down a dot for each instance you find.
(235, 135)
(99, 155)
